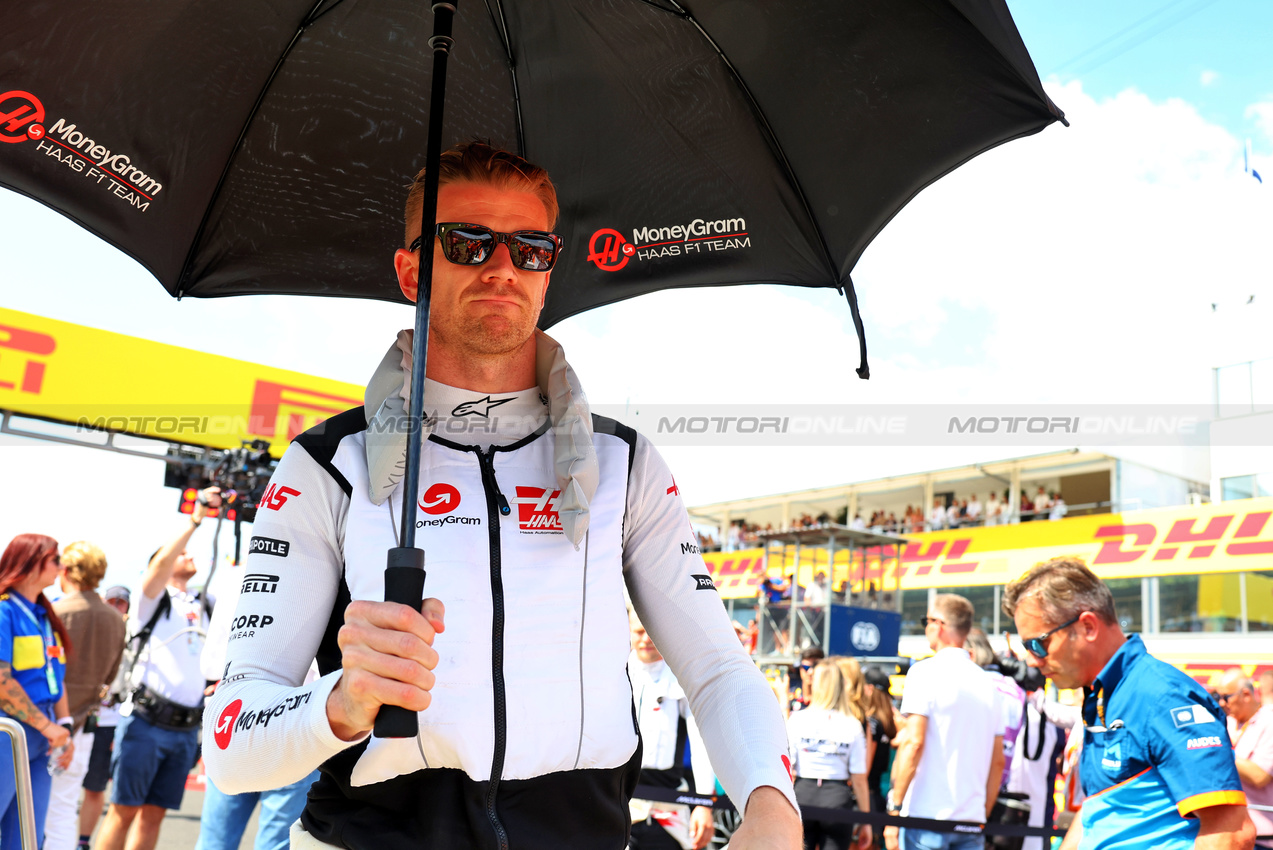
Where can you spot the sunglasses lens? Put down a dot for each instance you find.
(533, 252)
(467, 246)
(1036, 647)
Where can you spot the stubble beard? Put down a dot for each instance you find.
(484, 335)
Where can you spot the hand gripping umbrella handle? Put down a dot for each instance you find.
(404, 583)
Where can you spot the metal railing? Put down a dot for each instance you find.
(22, 780)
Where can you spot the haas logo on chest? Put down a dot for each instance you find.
(537, 510)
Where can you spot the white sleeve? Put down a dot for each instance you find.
(916, 698)
(676, 600)
(264, 728)
(857, 749)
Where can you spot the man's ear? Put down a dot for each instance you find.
(543, 293)
(407, 265)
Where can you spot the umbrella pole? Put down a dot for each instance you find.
(404, 572)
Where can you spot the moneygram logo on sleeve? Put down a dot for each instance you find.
(225, 723)
(609, 251)
(22, 118)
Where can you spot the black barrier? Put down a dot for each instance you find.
(875, 819)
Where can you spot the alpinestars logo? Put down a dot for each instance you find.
(479, 407)
(609, 251)
(537, 510)
(22, 118)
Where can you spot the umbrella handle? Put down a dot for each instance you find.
(404, 583)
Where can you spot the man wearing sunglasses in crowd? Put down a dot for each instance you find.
(950, 756)
(535, 517)
(1157, 764)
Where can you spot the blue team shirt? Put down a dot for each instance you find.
(1164, 754)
(25, 633)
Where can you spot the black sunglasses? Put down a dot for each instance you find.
(924, 621)
(473, 244)
(1038, 646)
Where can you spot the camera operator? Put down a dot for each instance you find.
(158, 733)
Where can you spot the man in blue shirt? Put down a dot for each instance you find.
(1157, 766)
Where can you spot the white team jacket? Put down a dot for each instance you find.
(531, 738)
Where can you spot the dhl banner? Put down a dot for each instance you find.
(94, 378)
(1227, 537)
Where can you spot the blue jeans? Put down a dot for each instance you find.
(225, 816)
(41, 782)
(923, 839)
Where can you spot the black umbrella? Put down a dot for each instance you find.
(243, 147)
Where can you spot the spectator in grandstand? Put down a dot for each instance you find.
(828, 755)
(972, 510)
(954, 514)
(1013, 697)
(881, 729)
(817, 592)
(1059, 509)
(1026, 508)
(33, 648)
(937, 516)
(1042, 503)
(993, 509)
(663, 715)
(1251, 730)
(1156, 760)
(1266, 687)
(858, 523)
(97, 633)
(950, 762)
(99, 760)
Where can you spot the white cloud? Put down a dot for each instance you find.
(1262, 114)
(1209, 77)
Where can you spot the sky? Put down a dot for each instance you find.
(1117, 260)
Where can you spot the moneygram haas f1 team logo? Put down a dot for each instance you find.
(21, 117)
(610, 251)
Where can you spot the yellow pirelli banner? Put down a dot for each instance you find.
(97, 379)
(1227, 537)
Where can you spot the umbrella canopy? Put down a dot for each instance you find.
(243, 147)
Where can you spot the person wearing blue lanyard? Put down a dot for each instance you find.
(1157, 766)
(33, 646)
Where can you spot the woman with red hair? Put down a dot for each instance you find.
(33, 646)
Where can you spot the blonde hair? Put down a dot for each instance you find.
(854, 687)
(828, 686)
(956, 611)
(478, 162)
(85, 564)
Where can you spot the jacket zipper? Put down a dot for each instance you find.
(496, 505)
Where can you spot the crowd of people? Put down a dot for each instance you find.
(945, 513)
(111, 694)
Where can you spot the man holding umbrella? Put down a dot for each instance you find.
(536, 516)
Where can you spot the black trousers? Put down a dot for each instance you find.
(831, 794)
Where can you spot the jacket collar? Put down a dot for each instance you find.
(574, 455)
